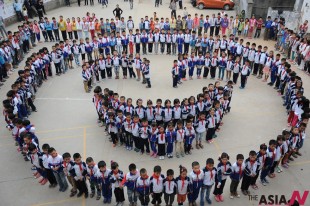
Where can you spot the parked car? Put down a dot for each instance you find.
(213, 4)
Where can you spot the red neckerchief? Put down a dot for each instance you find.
(211, 172)
(169, 182)
(143, 180)
(115, 172)
(224, 167)
(91, 170)
(150, 108)
(183, 182)
(198, 173)
(80, 166)
(240, 170)
(162, 136)
(156, 177)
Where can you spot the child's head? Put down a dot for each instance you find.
(90, 161)
(183, 171)
(102, 166)
(240, 159)
(77, 158)
(66, 157)
(114, 166)
(157, 170)
(170, 174)
(45, 148)
(132, 168)
(272, 144)
(180, 124)
(196, 167)
(143, 173)
(224, 158)
(252, 155)
(210, 163)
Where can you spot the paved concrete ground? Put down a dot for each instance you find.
(66, 119)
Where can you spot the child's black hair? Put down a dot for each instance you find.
(66, 155)
(182, 169)
(76, 156)
(89, 159)
(252, 153)
(32, 147)
(157, 168)
(272, 142)
(210, 161)
(114, 165)
(195, 163)
(101, 164)
(132, 167)
(224, 155)
(240, 157)
(170, 172)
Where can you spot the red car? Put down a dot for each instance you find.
(214, 4)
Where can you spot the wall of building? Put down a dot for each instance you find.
(293, 19)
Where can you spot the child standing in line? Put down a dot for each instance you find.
(208, 181)
(270, 156)
(130, 181)
(161, 141)
(156, 185)
(146, 73)
(261, 159)
(200, 126)
(250, 171)
(169, 188)
(55, 163)
(79, 172)
(196, 177)
(180, 133)
(92, 169)
(116, 177)
(103, 179)
(170, 138)
(236, 175)
(36, 160)
(189, 136)
(68, 166)
(183, 185)
(245, 72)
(175, 74)
(223, 170)
(143, 187)
(153, 139)
(49, 172)
(211, 125)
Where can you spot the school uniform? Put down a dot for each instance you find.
(108, 64)
(124, 64)
(200, 62)
(130, 182)
(116, 182)
(235, 176)
(78, 173)
(144, 141)
(236, 71)
(170, 139)
(223, 171)
(191, 64)
(146, 75)
(68, 172)
(49, 172)
(157, 188)
(150, 42)
(211, 127)
(135, 135)
(200, 127)
(256, 62)
(196, 180)
(251, 57)
(111, 124)
(250, 171)
(144, 41)
(143, 189)
(245, 72)
(180, 42)
(261, 160)
(189, 136)
(207, 67)
(91, 172)
(56, 162)
(208, 182)
(161, 141)
(170, 188)
(177, 112)
(270, 157)
(214, 64)
(103, 179)
(185, 112)
(175, 75)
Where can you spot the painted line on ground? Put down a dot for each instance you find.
(62, 99)
(56, 202)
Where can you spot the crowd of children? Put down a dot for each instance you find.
(155, 129)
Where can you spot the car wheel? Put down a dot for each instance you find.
(201, 6)
(226, 7)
